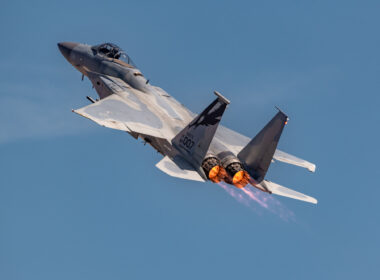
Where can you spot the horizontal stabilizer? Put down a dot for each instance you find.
(287, 158)
(179, 168)
(280, 190)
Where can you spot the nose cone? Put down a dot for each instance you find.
(66, 48)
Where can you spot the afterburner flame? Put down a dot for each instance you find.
(240, 179)
(213, 174)
(217, 173)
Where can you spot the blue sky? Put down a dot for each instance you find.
(79, 201)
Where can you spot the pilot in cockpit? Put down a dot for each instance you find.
(114, 52)
(109, 51)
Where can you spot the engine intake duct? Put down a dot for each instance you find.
(213, 168)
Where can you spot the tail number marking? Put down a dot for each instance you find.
(186, 142)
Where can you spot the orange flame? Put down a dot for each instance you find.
(240, 179)
(217, 173)
(213, 174)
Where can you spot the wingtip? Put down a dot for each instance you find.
(312, 200)
(312, 168)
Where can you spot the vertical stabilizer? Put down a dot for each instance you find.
(258, 153)
(195, 139)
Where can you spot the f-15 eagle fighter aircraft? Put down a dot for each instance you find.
(195, 147)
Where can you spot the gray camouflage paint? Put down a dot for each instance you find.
(129, 103)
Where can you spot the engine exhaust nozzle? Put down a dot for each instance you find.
(213, 169)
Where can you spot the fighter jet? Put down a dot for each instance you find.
(194, 147)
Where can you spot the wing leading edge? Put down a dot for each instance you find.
(126, 109)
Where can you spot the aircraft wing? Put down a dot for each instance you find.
(236, 142)
(125, 108)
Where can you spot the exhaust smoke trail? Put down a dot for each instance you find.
(252, 198)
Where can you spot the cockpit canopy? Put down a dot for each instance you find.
(112, 51)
